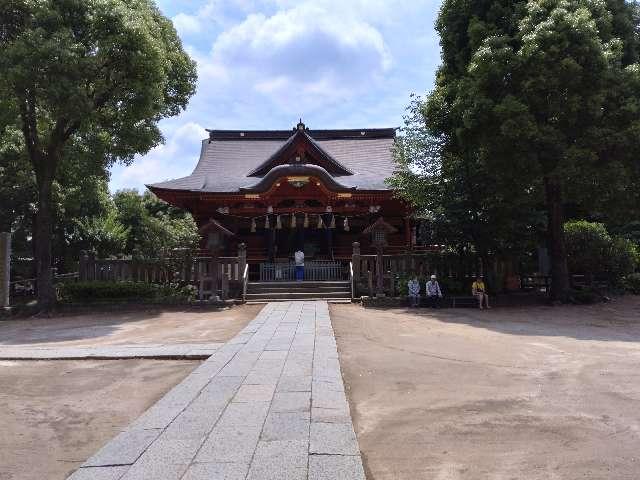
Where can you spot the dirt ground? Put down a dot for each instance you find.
(56, 414)
(116, 328)
(536, 393)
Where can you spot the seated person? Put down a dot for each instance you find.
(413, 286)
(434, 294)
(479, 291)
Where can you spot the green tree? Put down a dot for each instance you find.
(155, 228)
(90, 76)
(543, 95)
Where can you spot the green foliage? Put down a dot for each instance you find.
(106, 235)
(86, 81)
(624, 258)
(588, 246)
(535, 108)
(87, 292)
(591, 250)
(631, 283)
(155, 227)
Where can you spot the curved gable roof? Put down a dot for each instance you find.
(227, 158)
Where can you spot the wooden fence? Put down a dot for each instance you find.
(213, 276)
(377, 274)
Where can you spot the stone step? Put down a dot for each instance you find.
(309, 283)
(297, 295)
(328, 300)
(300, 288)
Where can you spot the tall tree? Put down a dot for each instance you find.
(542, 92)
(87, 75)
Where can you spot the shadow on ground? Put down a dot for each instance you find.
(129, 327)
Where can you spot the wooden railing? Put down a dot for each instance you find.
(313, 271)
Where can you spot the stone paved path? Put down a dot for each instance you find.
(269, 404)
(186, 351)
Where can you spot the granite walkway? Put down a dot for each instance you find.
(178, 351)
(269, 404)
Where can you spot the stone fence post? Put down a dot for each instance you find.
(5, 268)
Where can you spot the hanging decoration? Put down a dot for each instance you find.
(253, 225)
(346, 224)
(306, 221)
(320, 225)
(333, 222)
(278, 223)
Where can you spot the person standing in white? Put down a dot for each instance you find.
(299, 259)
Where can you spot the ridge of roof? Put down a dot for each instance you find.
(261, 169)
(351, 134)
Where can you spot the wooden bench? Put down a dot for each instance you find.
(463, 301)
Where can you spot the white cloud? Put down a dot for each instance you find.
(303, 57)
(186, 24)
(173, 159)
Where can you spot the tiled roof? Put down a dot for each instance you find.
(227, 157)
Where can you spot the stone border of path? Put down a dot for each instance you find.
(178, 351)
(269, 404)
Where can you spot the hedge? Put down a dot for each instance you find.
(100, 291)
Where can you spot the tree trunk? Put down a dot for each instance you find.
(42, 240)
(555, 239)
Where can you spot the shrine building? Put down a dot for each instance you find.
(277, 191)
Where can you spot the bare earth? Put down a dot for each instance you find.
(537, 393)
(55, 414)
(118, 328)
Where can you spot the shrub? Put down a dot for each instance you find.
(631, 283)
(585, 296)
(592, 251)
(122, 291)
(623, 260)
(588, 245)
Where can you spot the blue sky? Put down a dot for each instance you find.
(262, 64)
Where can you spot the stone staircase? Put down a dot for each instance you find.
(333, 291)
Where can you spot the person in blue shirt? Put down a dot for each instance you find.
(413, 286)
(434, 294)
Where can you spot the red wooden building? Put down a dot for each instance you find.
(280, 190)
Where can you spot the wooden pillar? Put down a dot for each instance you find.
(242, 259)
(379, 272)
(5, 268)
(91, 266)
(224, 286)
(407, 232)
(214, 273)
(355, 263)
(82, 268)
